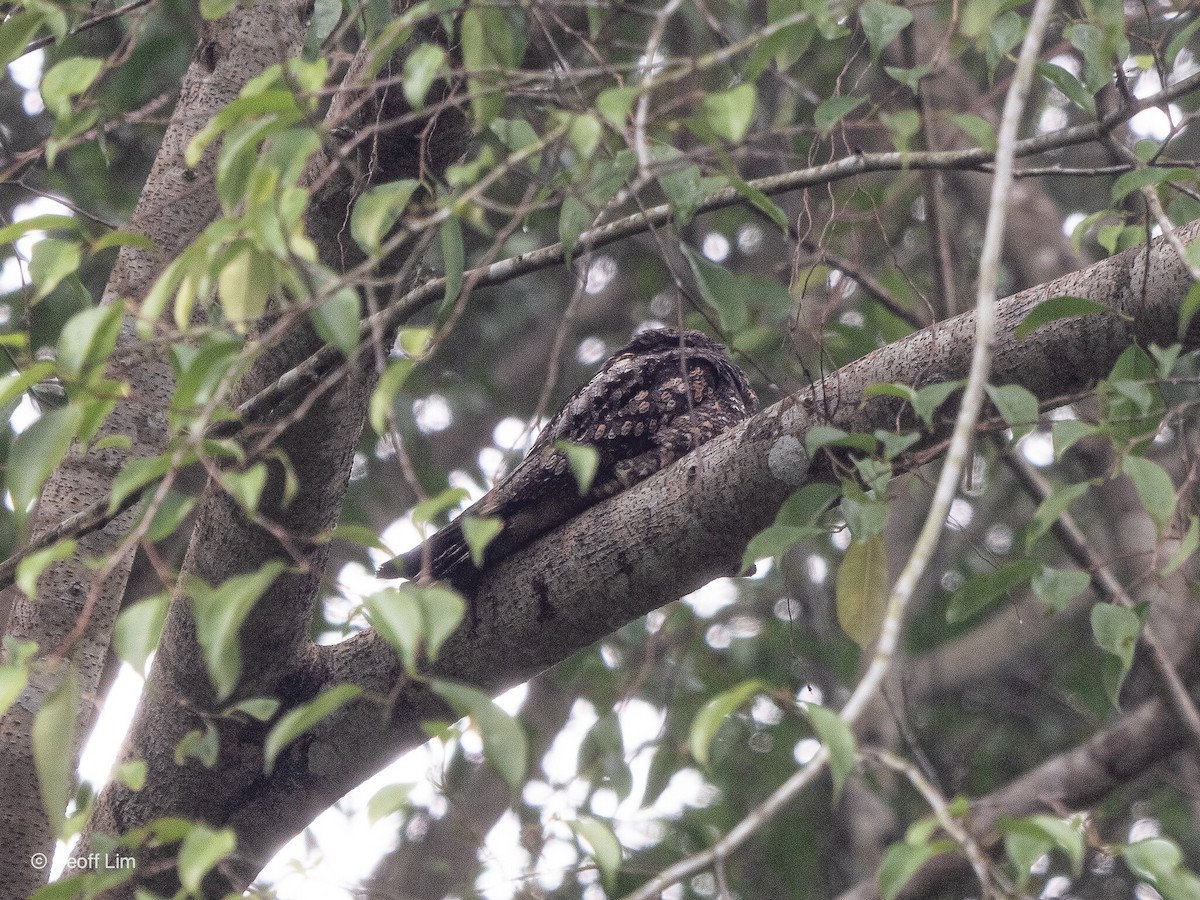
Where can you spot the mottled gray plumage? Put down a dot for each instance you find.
(643, 410)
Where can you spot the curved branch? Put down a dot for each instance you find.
(687, 525)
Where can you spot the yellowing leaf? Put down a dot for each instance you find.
(862, 590)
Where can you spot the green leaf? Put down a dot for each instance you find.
(1097, 52)
(13, 384)
(719, 288)
(762, 203)
(882, 23)
(819, 436)
(684, 192)
(49, 222)
(1056, 308)
(504, 743)
(981, 591)
(584, 134)
(385, 392)
(488, 44)
(1050, 509)
(219, 613)
(833, 110)
(377, 210)
(138, 629)
(606, 849)
(900, 864)
(255, 102)
(422, 66)
(1028, 839)
(1131, 405)
(14, 674)
(1070, 86)
(388, 799)
(895, 444)
(730, 113)
(1160, 862)
(479, 532)
(30, 568)
(1165, 358)
(201, 849)
(201, 745)
(713, 714)
(1116, 630)
(211, 10)
(1147, 177)
(51, 261)
(300, 719)
(1065, 433)
(776, 540)
(261, 709)
(1003, 35)
(87, 339)
(37, 451)
(865, 516)
(1154, 488)
(135, 475)
(1187, 546)
(930, 397)
(583, 460)
(807, 505)
(978, 129)
(244, 284)
(903, 127)
(614, 105)
(246, 487)
(414, 619)
(1017, 406)
(1058, 587)
(453, 257)
(910, 78)
(1178, 42)
(517, 134)
(16, 32)
(335, 320)
(66, 79)
(132, 774)
(427, 510)
(573, 219)
(53, 740)
(862, 590)
(838, 739)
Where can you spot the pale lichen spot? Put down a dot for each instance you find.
(788, 460)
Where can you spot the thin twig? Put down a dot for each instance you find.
(1071, 536)
(947, 486)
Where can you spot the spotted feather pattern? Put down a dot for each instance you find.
(659, 397)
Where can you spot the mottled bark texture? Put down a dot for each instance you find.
(176, 205)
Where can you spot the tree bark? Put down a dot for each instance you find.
(661, 539)
(176, 205)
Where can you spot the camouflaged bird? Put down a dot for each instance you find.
(656, 399)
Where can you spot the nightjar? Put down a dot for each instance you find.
(659, 397)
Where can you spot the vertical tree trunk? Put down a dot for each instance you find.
(175, 206)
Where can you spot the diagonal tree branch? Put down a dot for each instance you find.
(687, 525)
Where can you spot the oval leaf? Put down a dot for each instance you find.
(862, 590)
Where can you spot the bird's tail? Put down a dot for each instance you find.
(445, 556)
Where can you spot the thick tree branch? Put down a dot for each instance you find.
(687, 525)
(1073, 780)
